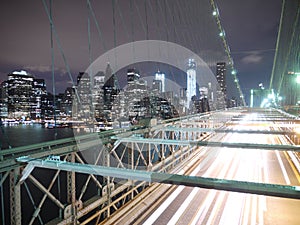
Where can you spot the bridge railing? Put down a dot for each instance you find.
(161, 148)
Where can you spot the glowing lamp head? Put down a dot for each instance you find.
(298, 79)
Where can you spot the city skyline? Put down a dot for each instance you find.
(100, 97)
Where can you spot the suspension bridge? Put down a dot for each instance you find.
(235, 165)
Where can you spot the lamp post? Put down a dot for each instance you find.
(298, 78)
(257, 95)
(292, 88)
(297, 89)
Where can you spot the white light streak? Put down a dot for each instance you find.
(183, 207)
(285, 175)
(164, 206)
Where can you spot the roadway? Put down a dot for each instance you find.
(186, 205)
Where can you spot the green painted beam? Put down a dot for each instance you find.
(198, 129)
(248, 146)
(276, 190)
(211, 144)
(268, 120)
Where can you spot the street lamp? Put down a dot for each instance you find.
(298, 78)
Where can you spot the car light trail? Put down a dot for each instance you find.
(183, 207)
(285, 175)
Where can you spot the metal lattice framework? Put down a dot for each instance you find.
(126, 164)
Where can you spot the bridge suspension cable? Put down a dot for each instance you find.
(286, 58)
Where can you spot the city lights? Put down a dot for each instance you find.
(191, 81)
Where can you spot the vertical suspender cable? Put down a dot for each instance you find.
(53, 79)
(140, 16)
(147, 27)
(89, 34)
(277, 45)
(90, 72)
(171, 13)
(156, 15)
(97, 26)
(185, 17)
(132, 29)
(126, 30)
(289, 50)
(52, 68)
(60, 48)
(146, 18)
(114, 29)
(157, 19)
(114, 21)
(166, 19)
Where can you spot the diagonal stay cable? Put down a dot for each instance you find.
(140, 16)
(286, 61)
(97, 25)
(60, 48)
(126, 30)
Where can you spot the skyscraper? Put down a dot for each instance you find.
(84, 96)
(98, 94)
(132, 75)
(38, 98)
(25, 95)
(161, 76)
(221, 91)
(191, 81)
(157, 86)
(135, 92)
(221, 77)
(111, 91)
(3, 99)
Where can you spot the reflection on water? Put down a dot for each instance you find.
(21, 135)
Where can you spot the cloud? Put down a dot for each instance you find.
(213, 56)
(252, 59)
(43, 68)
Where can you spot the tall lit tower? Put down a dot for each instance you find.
(161, 76)
(20, 94)
(221, 76)
(191, 81)
(222, 89)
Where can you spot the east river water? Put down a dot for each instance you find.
(20, 135)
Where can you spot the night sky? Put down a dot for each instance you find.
(251, 31)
